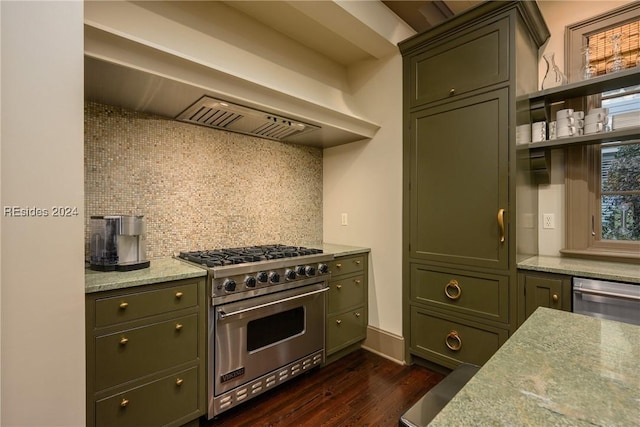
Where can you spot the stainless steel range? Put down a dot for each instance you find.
(267, 318)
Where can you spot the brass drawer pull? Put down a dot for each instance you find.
(179, 326)
(356, 281)
(338, 265)
(453, 284)
(357, 314)
(124, 403)
(357, 261)
(179, 381)
(338, 322)
(124, 340)
(179, 295)
(453, 341)
(452, 91)
(338, 286)
(124, 305)
(555, 298)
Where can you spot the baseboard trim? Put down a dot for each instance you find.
(385, 344)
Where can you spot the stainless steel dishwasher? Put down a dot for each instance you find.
(607, 300)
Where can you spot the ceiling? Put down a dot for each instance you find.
(424, 14)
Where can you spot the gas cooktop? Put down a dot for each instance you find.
(241, 255)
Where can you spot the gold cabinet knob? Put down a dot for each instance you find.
(453, 341)
(452, 290)
(179, 326)
(338, 265)
(179, 381)
(124, 403)
(357, 262)
(124, 340)
(452, 91)
(555, 297)
(338, 322)
(124, 305)
(356, 281)
(179, 295)
(338, 287)
(357, 314)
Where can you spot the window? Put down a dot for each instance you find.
(603, 181)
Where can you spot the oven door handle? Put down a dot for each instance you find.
(223, 315)
(605, 294)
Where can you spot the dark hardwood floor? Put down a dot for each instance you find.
(361, 389)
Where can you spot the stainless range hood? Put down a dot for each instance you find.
(215, 113)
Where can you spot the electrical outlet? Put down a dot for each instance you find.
(548, 221)
(344, 219)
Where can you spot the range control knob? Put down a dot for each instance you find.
(323, 268)
(250, 282)
(274, 277)
(300, 270)
(290, 274)
(229, 285)
(262, 277)
(310, 271)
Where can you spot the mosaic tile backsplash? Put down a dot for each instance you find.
(199, 188)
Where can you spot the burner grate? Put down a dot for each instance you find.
(241, 255)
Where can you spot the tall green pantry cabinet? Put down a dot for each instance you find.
(462, 180)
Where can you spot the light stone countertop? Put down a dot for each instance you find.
(160, 270)
(618, 271)
(167, 269)
(558, 368)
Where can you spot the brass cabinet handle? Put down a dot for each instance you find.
(555, 297)
(356, 281)
(501, 224)
(338, 287)
(179, 295)
(124, 305)
(452, 91)
(179, 381)
(178, 326)
(338, 322)
(338, 265)
(357, 314)
(357, 261)
(124, 340)
(453, 341)
(453, 284)
(124, 403)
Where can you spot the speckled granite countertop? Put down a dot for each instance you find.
(166, 269)
(558, 368)
(622, 272)
(160, 270)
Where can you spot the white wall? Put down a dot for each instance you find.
(551, 197)
(42, 274)
(364, 180)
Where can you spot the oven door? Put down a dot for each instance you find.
(258, 335)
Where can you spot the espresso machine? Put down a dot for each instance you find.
(118, 243)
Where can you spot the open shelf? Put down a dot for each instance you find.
(593, 138)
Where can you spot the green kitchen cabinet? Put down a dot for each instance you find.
(146, 354)
(347, 305)
(465, 188)
(537, 289)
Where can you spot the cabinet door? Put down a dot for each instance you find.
(459, 182)
(545, 291)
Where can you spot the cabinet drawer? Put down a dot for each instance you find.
(124, 308)
(133, 353)
(156, 403)
(346, 293)
(450, 341)
(346, 265)
(345, 329)
(480, 295)
(474, 60)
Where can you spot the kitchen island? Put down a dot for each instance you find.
(558, 368)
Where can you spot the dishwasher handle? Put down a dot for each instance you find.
(605, 293)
